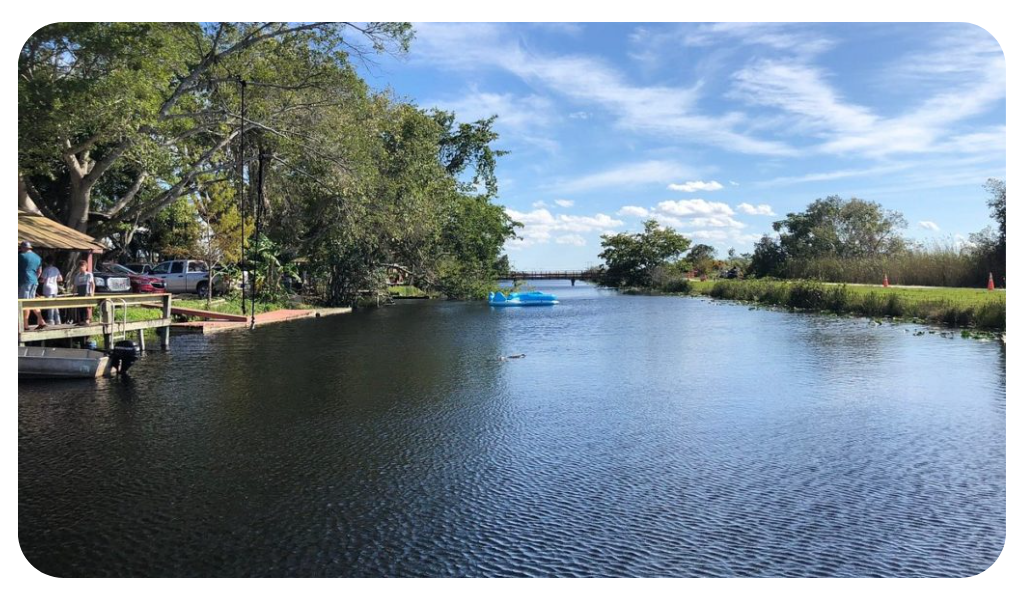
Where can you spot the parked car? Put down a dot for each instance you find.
(140, 268)
(187, 277)
(141, 284)
(108, 282)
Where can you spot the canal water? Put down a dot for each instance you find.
(639, 436)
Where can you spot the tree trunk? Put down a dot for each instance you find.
(78, 206)
(24, 200)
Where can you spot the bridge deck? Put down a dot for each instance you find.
(571, 275)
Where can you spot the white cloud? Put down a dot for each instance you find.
(832, 175)
(694, 213)
(540, 226)
(643, 173)
(514, 112)
(930, 225)
(695, 186)
(580, 115)
(760, 209)
(719, 221)
(572, 239)
(722, 236)
(779, 36)
(695, 207)
(963, 75)
(564, 203)
(539, 204)
(633, 211)
(655, 109)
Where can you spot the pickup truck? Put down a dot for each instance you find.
(186, 277)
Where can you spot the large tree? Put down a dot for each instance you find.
(841, 228)
(118, 120)
(631, 259)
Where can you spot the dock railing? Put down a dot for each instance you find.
(105, 322)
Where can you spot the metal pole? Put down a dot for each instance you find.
(241, 186)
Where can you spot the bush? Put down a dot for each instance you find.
(676, 285)
(808, 295)
(991, 315)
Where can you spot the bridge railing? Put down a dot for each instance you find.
(579, 274)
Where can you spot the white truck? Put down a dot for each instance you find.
(187, 277)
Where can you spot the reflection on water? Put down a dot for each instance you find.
(640, 436)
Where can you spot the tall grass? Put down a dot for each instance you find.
(956, 307)
(942, 264)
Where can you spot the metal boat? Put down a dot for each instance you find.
(61, 363)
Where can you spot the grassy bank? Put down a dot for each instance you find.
(960, 307)
(231, 305)
(406, 291)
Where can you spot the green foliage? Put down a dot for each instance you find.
(768, 259)
(176, 231)
(141, 121)
(989, 245)
(465, 145)
(844, 228)
(701, 259)
(631, 259)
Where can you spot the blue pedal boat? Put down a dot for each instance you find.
(521, 299)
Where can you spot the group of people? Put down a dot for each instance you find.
(37, 277)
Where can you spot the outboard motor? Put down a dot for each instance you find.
(124, 355)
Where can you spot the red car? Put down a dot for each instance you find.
(141, 284)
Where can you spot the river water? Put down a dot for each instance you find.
(639, 436)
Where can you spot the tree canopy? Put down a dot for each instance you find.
(841, 228)
(631, 259)
(138, 127)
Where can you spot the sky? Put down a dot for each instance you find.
(717, 130)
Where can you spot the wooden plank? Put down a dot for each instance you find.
(87, 301)
(63, 332)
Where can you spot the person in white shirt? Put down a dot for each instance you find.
(85, 285)
(50, 280)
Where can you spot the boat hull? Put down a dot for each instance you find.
(61, 363)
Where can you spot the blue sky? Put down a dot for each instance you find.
(717, 129)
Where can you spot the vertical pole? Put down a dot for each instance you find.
(142, 340)
(165, 332)
(241, 186)
(107, 317)
(21, 323)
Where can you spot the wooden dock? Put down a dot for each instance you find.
(274, 316)
(110, 318)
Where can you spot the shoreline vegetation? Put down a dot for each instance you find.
(956, 307)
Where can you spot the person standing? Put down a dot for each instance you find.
(85, 285)
(29, 269)
(51, 280)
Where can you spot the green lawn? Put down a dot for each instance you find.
(229, 305)
(405, 290)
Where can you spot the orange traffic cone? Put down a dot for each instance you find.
(991, 283)
(885, 281)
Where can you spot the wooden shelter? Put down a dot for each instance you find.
(50, 235)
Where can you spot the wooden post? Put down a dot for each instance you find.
(21, 323)
(107, 312)
(142, 340)
(165, 332)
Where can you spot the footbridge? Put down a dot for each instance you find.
(572, 276)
